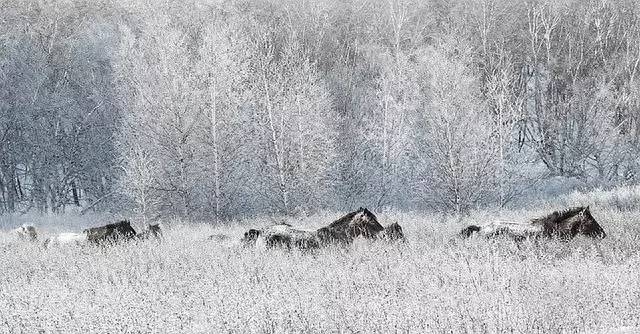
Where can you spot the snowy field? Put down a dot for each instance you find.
(189, 284)
(193, 112)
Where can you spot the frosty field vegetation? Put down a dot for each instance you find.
(208, 110)
(429, 284)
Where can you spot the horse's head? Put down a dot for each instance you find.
(582, 222)
(364, 223)
(589, 226)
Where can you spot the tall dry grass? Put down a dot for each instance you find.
(432, 283)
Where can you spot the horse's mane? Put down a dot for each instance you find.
(349, 216)
(343, 220)
(558, 216)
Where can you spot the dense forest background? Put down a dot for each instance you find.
(210, 109)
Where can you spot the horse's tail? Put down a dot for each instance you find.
(469, 231)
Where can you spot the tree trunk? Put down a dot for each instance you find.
(216, 161)
(276, 148)
(74, 191)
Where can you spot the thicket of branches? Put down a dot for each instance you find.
(213, 109)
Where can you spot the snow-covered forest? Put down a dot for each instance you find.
(210, 109)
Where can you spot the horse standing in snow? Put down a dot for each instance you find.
(361, 223)
(562, 225)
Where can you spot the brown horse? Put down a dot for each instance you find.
(562, 225)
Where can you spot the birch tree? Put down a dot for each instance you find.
(454, 138)
(388, 132)
(293, 126)
(163, 110)
(223, 70)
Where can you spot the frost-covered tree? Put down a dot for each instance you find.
(388, 127)
(163, 110)
(454, 138)
(248, 107)
(139, 177)
(223, 71)
(292, 127)
(57, 121)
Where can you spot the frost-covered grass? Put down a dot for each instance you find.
(188, 284)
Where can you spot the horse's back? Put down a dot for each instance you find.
(66, 238)
(111, 232)
(502, 227)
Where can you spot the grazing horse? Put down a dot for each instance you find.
(121, 230)
(563, 225)
(27, 232)
(360, 223)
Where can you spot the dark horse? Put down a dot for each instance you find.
(563, 225)
(352, 225)
(121, 230)
(360, 223)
